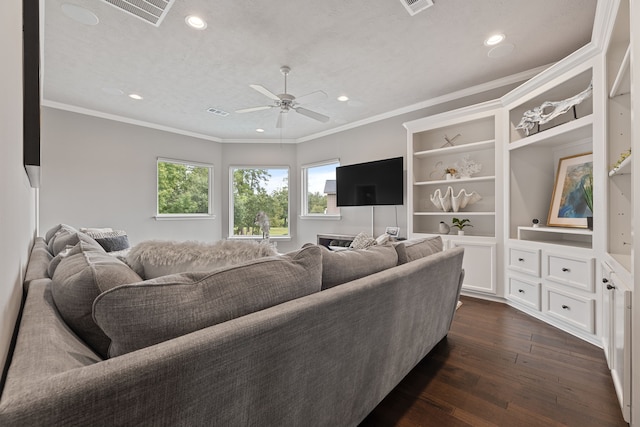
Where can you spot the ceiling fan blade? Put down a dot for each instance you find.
(282, 119)
(312, 97)
(312, 114)
(266, 92)
(251, 109)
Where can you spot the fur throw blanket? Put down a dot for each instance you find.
(155, 258)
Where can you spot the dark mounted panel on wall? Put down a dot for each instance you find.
(31, 89)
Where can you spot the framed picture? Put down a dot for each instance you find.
(392, 231)
(568, 205)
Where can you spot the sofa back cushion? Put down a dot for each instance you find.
(142, 314)
(339, 267)
(411, 250)
(155, 258)
(66, 236)
(83, 274)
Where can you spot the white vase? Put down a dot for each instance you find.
(449, 177)
(443, 228)
(460, 232)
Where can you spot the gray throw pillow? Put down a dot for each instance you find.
(411, 250)
(111, 241)
(339, 267)
(142, 314)
(83, 274)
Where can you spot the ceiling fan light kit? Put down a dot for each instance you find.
(286, 102)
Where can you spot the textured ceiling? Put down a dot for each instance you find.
(371, 51)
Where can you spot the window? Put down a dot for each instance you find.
(259, 189)
(319, 189)
(184, 189)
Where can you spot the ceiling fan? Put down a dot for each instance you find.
(287, 102)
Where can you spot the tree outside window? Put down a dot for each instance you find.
(259, 189)
(184, 188)
(319, 189)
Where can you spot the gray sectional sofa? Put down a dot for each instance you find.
(282, 340)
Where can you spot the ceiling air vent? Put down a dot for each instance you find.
(415, 6)
(217, 112)
(151, 11)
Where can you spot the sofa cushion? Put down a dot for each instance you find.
(339, 267)
(39, 260)
(66, 236)
(154, 258)
(83, 274)
(142, 314)
(411, 250)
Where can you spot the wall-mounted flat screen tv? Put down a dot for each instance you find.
(371, 184)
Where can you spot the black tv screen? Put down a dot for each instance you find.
(370, 184)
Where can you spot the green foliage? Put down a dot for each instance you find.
(461, 223)
(316, 203)
(587, 190)
(250, 196)
(182, 189)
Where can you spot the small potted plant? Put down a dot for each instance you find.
(587, 192)
(450, 173)
(461, 224)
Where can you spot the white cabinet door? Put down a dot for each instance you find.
(621, 340)
(479, 265)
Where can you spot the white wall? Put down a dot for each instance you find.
(17, 199)
(102, 173)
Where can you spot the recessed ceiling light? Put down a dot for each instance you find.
(79, 14)
(195, 22)
(259, 130)
(494, 39)
(135, 96)
(343, 98)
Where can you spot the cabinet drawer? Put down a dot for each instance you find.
(525, 260)
(576, 272)
(572, 309)
(525, 292)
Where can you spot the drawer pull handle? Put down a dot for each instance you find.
(565, 269)
(609, 287)
(565, 307)
(605, 280)
(521, 259)
(521, 291)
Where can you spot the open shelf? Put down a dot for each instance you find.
(457, 181)
(623, 168)
(577, 237)
(440, 213)
(622, 83)
(574, 130)
(463, 148)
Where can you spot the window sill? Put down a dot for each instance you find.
(178, 217)
(259, 238)
(322, 217)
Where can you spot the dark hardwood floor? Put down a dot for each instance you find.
(500, 367)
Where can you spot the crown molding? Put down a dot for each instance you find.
(117, 118)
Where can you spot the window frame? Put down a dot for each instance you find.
(231, 234)
(304, 182)
(181, 216)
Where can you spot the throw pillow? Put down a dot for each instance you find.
(411, 250)
(154, 258)
(142, 314)
(67, 236)
(362, 241)
(339, 267)
(83, 274)
(111, 241)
